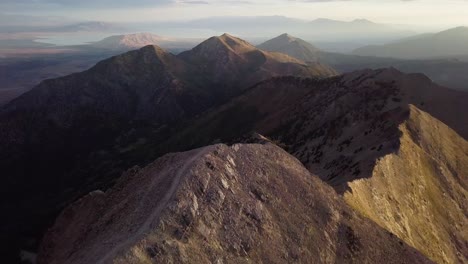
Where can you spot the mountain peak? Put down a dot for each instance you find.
(129, 41)
(448, 43)
(362, 21)
(227, 36)
(324, 20)
(230, 40)
(226, 43)
(292, 46)
(456, 30)
(286, 36)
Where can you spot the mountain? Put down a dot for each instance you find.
(358, 27)
(392, 148)
(294, 47)
(260, 27)
(74, 131)
(20, 74)
(447, 72)
(224, 205)
(89, 26)
(26, 63)
(139, 40)
(39, 25)
(236, 62)
(130, 41)
(449, 43)
(391, 144)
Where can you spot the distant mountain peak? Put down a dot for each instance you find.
(445, 44)
(227, 35)
(321, 19)
(292, 46)
(456, 30)
(232, 39)
(136, 40)
(225, 43)
(363, 21)
(286, 36)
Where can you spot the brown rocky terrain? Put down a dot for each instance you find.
(241, 204)
(393, 144)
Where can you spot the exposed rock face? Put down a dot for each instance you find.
(219, 204)
(377, 137)
(419, 192)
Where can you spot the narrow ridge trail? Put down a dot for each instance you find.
(157, 211)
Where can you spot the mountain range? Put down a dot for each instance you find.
(446, 71)
(69, 120)
(260, 27)
(367, 166)
(448, 43)
(358, 132)
(139, 40)
(220, 204)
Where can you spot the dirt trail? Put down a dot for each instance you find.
(157, 211)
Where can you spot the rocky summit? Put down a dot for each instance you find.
(219, 204)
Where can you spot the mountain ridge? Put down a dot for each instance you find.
(345, 128)
(447, 43)
(85, 118)
(447, 72)
(224, 196)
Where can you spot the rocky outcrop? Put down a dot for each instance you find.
(220, 204)
(419, 192)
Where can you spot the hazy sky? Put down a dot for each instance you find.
(440, 13)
